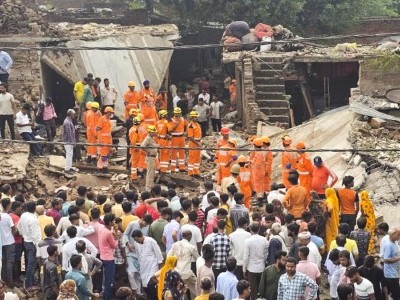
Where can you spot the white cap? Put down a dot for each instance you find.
(304, 235)
(71, 111)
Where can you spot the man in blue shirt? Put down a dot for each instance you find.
(391, 259)
(76, 275)
(227, 281)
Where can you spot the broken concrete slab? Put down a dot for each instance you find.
(180, 179)
(364, 110)
(264, 129)
(112, 169)
(377, 123)
(57, 161)
(90, 180)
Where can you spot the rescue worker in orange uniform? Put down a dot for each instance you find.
(232, 95)
(304, 167)
(268, 163)
(142, 131)
(91, 119)
(258, 168)
(163, 141)
(162, 100)
(245, 179)
(146, 92)
(134, 152)
(128, 125)
(177, 128)
(289, 160)
(104, 135)
(149, 111)
(225, 155)
(194, 136)
(131, 98)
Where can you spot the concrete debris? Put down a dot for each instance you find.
(377, 123)
(362, 109)
(231, 117)
(264, 129)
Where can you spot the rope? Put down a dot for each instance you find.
(8, 141)
(191, 47)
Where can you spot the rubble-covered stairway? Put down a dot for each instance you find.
(270, 90)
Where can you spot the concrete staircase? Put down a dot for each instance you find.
(270, 91)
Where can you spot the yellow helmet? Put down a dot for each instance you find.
(265, 139)
(131, 83)
(286, 139)
(235, 169)
(95, 105)
(133, 111)
(151, 129)
(177, 110)
(162, 113)
(136, 120)
(194, 113)
(258, 142)
(108, 109)
(89, 105)
(233, 142)
(140, 116)
(242, 159)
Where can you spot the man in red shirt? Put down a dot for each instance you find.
(221, 215)
(15, 214)
(321, 175)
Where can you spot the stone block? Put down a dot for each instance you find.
(377, 123)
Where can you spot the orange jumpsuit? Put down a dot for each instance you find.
(104, 136)
(163, 141)
(150, 114)
(232, 97)
(133, 138)
(245, 184)
(131, 99)
(91, 120)
(224, 158)
(268, 170)
(194, 159)
(258, 171)
(288, 158)
(142, 131)
(305, 169)
(177, 140)
(162, 101)
(144, 94)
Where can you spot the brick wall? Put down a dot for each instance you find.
(376, 77)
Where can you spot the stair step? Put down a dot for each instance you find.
(271, 95)
(272, 103)
(271, 87)
(274, 62)
(267, 73)
(268, 80)
(274, 111)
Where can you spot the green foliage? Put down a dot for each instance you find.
(315, 16)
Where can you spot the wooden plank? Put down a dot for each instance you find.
(307, 98)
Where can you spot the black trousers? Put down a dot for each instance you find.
(4, 78)
(349, 219)
(393, 287)
(216, 124)
(10, 121)
(239, 272)
(204, 128)
(254, 280)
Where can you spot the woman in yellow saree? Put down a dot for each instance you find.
(332, 220)
(170, 264)
(368, 212)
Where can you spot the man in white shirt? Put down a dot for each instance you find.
(237, 239)
(109, 94)
(215, 113)
(305, 240)
(7, 111)
(176, 99)
(29, 228)
(7, 231)
(196, 239)
(186, 253)
(81, 230)
(203, 111)
(24, 125)
(209, 187)
(363, 288)
(254, 257)
(205, 96)
(6, 63)
(70, 247)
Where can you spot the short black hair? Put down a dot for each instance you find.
(80, 246)
(107, 208)
(214, 200)
(208, 185)
(351, 271)
(75, 260)
(279, 255)
(192, 216)
(101, 199)
(177, 214)
(148, 219)
(334, 254)
(269, 208)
(344, 290)
(224, 197)
(49, 230)
(51, 250)
(221, 224)
(186, 204)
(242, 285)
(222, 212)
(196, 202)
(73, 209)
(137, 233)
(362, 223)
(161, 204)
(369, 261)
(73, 217)
(232, 189)
(344, 228)
(31, 206)
(294, 227)
(231, 264)
(5, 188)
(82, 190)
(216, 295)
(242, 221)
(131, 195)
(304, 251)
(306, 216)
(205, 284)
(118, 197)
(15, 205)
(62, 195)
(80, 202)
(238, 197)
(55, 202)
(270, 217)
(5, 203)
(255, 227)
(312, 227)
(156, 190)
(127, 207)
(108, 218)
(293, 179)
(384, 226)
(288, 218)
(344, 253)
(95, 213)
(145, 195)
(72, 231)
(291, 260)
(166, 211)
(341, 240)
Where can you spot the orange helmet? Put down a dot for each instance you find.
(242, 159)
(265, 139)
(108, 109)
(300, 146)
(286, 139)
(258, 142)
(224, 130)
